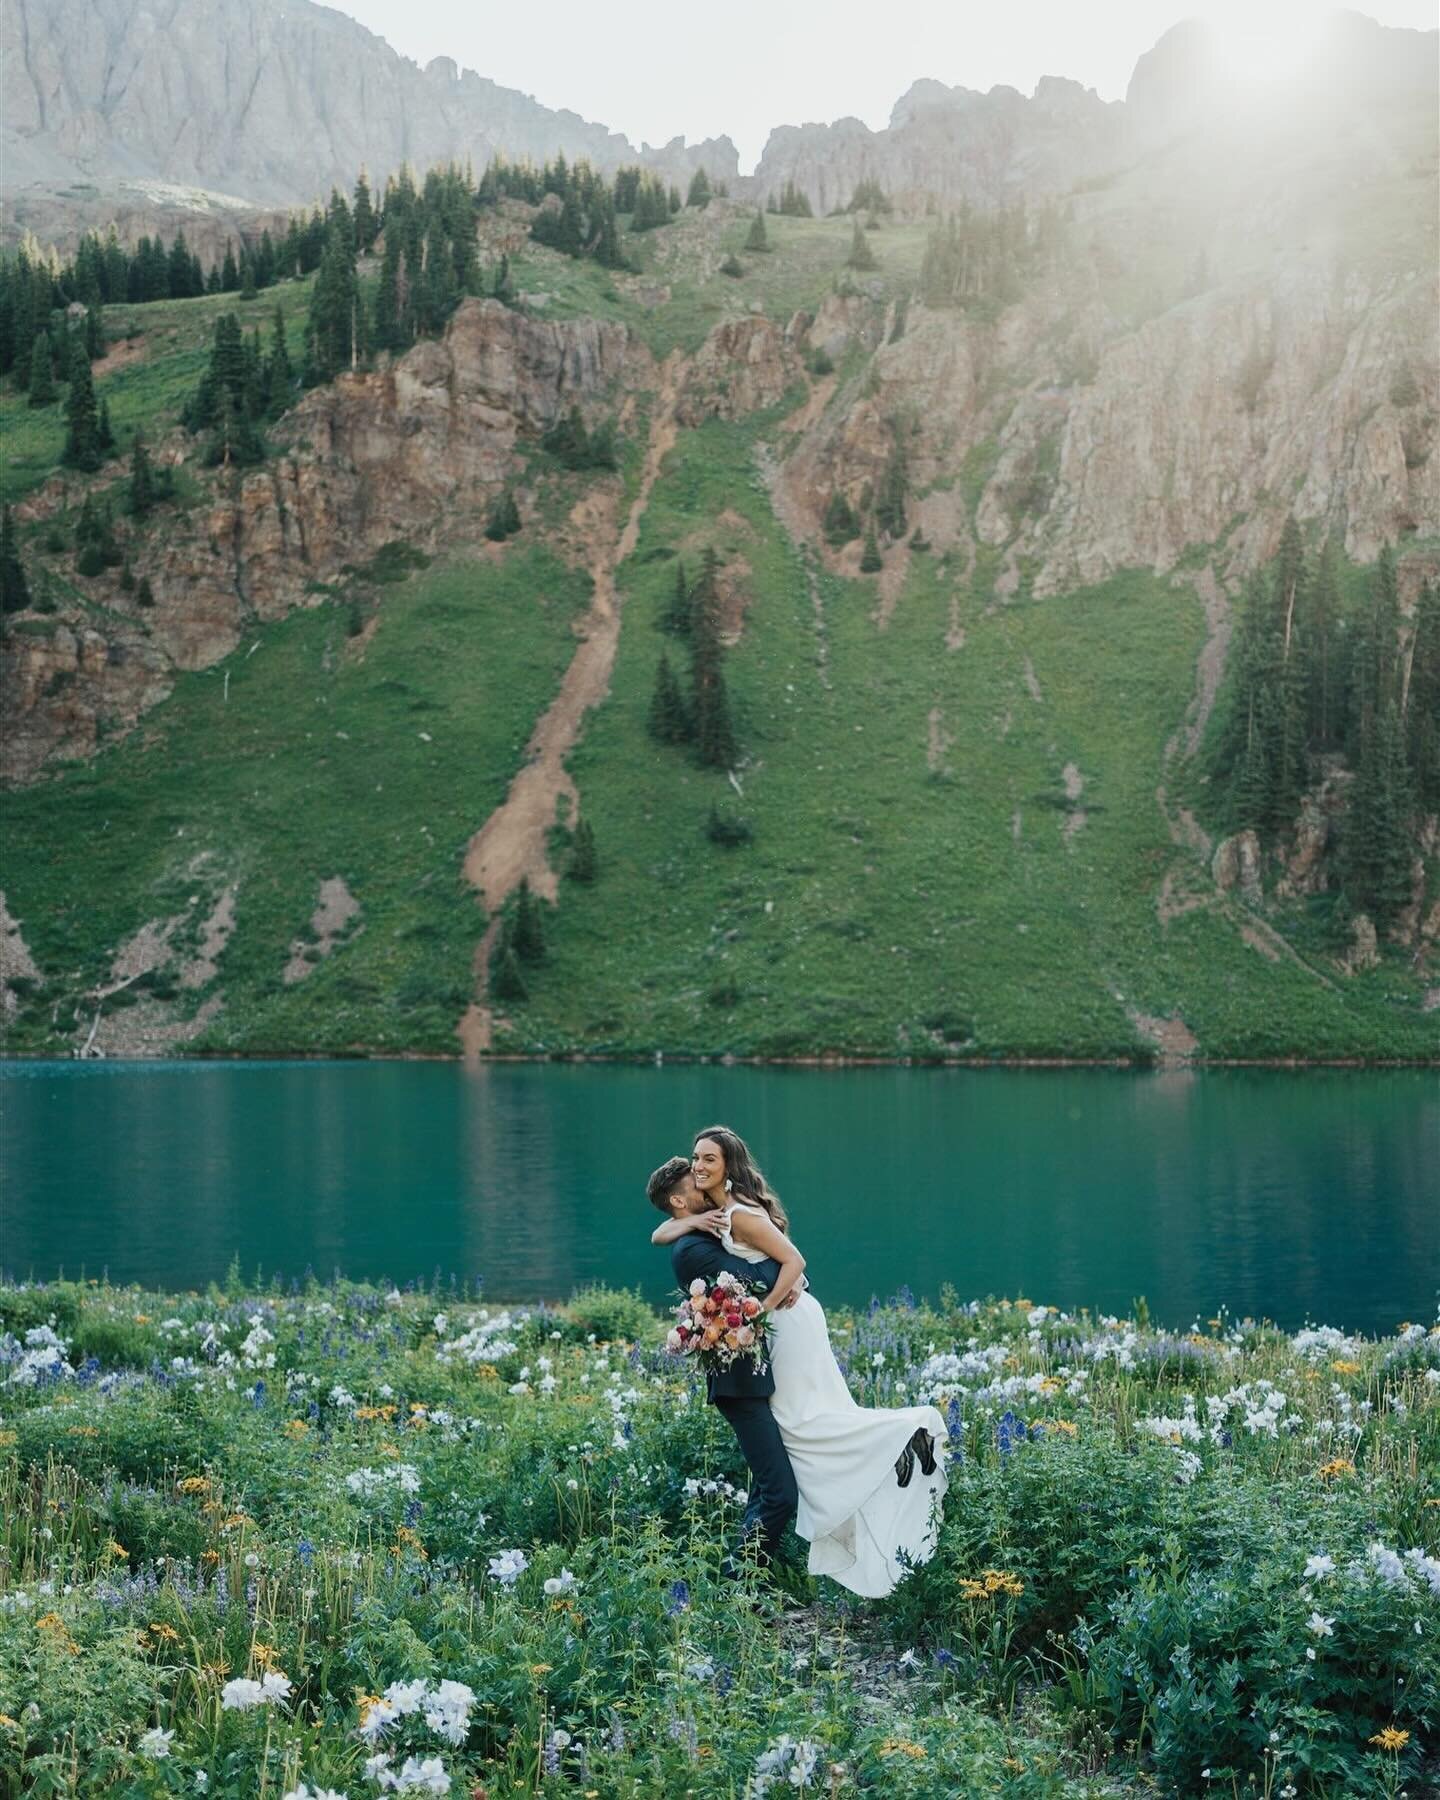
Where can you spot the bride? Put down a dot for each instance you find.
(865, 1506)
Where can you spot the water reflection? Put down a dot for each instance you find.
(1291, 1194)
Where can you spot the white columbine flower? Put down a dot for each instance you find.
(1321, 1626)
(155, 1743)
(509, 1565)
(240, 1695)
(1318, 1567)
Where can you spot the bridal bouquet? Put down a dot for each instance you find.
(720, 1324)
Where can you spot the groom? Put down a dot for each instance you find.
(740, 1392)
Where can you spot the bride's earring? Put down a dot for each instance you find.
(728, 1184)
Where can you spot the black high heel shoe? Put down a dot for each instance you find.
(924, 1442)
(905, 1466)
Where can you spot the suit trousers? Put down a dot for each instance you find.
(773, 1494)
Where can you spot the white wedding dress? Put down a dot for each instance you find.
(852, 1508)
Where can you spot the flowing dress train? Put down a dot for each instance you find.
(856, 1516)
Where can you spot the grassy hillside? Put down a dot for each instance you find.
(317, 764)
(952, 851)
(887, 906)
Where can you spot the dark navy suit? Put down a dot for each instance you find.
(742, 1393)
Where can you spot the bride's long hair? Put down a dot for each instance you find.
(744, 1174)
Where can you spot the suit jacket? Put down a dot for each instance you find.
(697, 1253)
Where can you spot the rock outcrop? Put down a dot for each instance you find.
(414, 451)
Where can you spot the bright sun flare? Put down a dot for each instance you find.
(1262, 41)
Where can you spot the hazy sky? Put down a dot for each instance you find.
(655, 70)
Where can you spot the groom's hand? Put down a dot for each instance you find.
(789, 1300)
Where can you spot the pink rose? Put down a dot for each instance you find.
(698, 1287)
(745, 1336)
(674, 1341)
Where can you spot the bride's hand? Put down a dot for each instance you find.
(712, 1221)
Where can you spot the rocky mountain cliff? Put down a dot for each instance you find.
(273, 102)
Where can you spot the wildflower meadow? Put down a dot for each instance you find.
(313, 1539)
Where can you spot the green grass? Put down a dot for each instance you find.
(148, 392)
(314, 766)
(885, 907)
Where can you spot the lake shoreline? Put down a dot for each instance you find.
(728, 1060)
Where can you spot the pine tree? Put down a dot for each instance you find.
(279, 372)
(104, 430)
(331, 334)
(504, 520)
(42, 371)
(607, 251)
(668, 722)
(95, 345)
(527, 935)
(235, 440)
(584, 865)
(1321, 653)
(367, 227)
(714, 733)
(1373, 658)
(144, 596)
(699, 194)
(840, 524)
(507, 980)
(229, 271)
(142, 479)
(890, 502)
(14, 588)
(1379, 854)
(677, 613)
(710, 706)
(1422, 699)
(388, 334)
(82, 416)
(758, 242)
(861, 255)
(95, 539)
(870, 562)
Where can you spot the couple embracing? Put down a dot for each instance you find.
(863, 1484)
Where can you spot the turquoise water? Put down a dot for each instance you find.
(1293, 1195)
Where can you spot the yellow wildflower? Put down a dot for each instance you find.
(1012, 1762)
(488, 1372)
(898, 1746)
(1068, 1426)
(142, 1318)
(1391, 1738)
(234, 1519)
(265, 1654)
(167, 1632)
(194, 1484)
(7, 1438)
(114, 1549)
(82, 1431)
(1342, 1367)
(1339, 1465)
(1051, 1384)
(298, 1427)
(541, 1668)
(5, 1719)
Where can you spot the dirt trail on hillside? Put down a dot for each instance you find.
(510, 845)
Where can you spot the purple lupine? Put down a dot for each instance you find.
(679, 1599)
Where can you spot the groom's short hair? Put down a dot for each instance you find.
(663, 1183)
